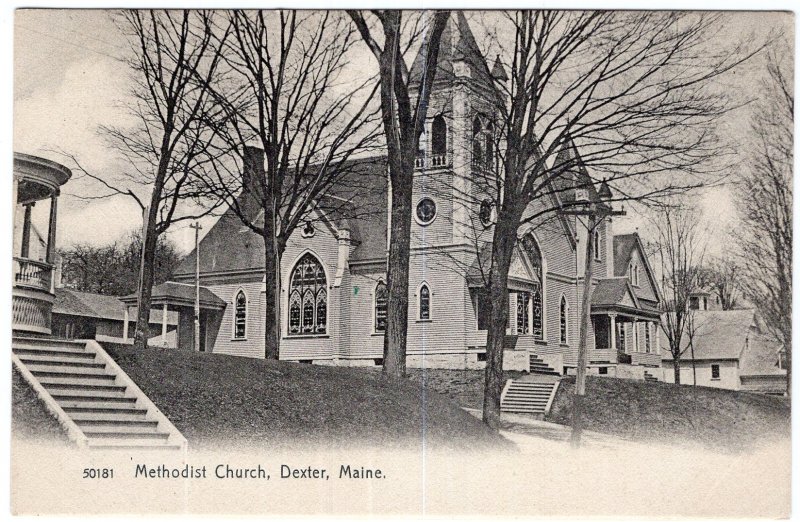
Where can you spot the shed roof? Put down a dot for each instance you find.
(98, 306)
(180, 293)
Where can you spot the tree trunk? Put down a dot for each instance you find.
(272, 296)
(676, 367)
(505, 237)
(787, 346)
(146, 276)
(394, 341)
(583, 353)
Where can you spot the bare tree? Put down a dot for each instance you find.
(765, 203)
(167, 144)
(631, 91)
(722, 276)
(283, 90)
(404, 106)
(679, 247)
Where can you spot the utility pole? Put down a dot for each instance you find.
(197, 227)
(596, 212)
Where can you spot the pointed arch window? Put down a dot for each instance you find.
(597, 245)
(381, 300)
(537, 294)
(564, 321)
(308, 298)
(240, 316)
(489, 145)
(477, 146)
(424, 302)
(439, 136)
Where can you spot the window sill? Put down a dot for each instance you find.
(424, 320)
(564, 345)
(238, 339)
(716, 379)
(540, 342)
(378, 334)
(306, 336)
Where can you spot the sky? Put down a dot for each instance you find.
(68, 82)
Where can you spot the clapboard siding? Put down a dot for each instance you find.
(253, 344)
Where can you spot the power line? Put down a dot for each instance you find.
(68, 42)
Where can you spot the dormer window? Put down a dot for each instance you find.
(633, 273)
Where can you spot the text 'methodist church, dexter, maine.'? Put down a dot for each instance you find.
(333, 271)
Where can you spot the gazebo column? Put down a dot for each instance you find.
(26, 232)
(51, 231)
(164, 326)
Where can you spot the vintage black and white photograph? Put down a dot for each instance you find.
(402, 262)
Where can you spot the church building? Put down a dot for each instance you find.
(333, 271)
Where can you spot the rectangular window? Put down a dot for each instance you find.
(621, 344)
(647, 339)
(715, 371)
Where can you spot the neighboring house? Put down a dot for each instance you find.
(84, 315)
(333, 271)
(727, 349)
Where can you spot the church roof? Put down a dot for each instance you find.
(575, 177)
(180, 293)
(458, 43)
(358, 204)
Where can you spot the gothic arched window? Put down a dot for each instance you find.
(537, 295)
(477, 146)
(424, 302)
(381, 298)
(240, 316)
(439, 136)
(308, 297)
(489, 145)
(597, 244)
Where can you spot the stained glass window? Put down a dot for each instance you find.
(424, 302)
(523, 313)
(381, 297)
(240, 316)
(563, 320)
(308, 297)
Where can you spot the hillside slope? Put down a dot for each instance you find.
(219, 399)
(712, 417)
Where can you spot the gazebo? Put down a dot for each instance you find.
(180, 297)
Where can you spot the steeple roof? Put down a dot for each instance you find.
(458, 44)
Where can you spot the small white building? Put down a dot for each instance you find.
(727, 349)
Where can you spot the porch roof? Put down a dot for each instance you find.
(180, 294)
(615, 295)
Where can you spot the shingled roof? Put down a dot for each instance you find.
(717, 335)
(458, 43)
(358, 203)
(98, 306)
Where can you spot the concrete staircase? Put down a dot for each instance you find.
(539, 367)
(649, 377)
(528, 396)
(93, 399)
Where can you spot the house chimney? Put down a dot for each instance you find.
(252, 170)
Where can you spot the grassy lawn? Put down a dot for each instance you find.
(216, 399)
(721, 419)
(29, 417)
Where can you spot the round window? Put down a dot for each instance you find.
(426, 211)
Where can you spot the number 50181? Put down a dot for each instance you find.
(98, 473)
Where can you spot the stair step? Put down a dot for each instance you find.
(91, 395)
(126, 435)
(59, 362)
(120, 427)
(95, 420)
(106, 409)
(53, 377)
(131, 444)
(55, 370)
(47, 341)
(81, 387)
(98, 404)
(56, 351)
(106, 416)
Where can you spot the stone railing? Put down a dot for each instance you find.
(432, 161)
(33, 274)
(31, 314)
